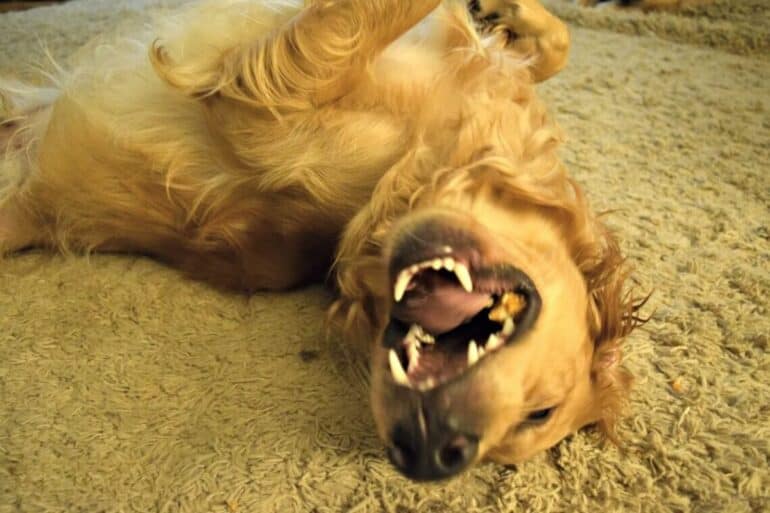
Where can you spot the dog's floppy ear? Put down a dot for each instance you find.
(612, 316)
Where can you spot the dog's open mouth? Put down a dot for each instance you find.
(449, 314)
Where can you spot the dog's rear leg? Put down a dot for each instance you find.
(534, 31)
(18, 229)
(314, 58)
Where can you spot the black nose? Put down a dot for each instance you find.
(430, 458)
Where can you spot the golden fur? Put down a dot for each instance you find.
(266, 142)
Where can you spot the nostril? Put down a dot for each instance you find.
(440, 456)
(402, 453)
(457, 454)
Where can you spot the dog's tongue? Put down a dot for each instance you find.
(439, 305)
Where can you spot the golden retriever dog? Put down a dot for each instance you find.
(399, 145)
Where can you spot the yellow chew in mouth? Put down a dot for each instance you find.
(507, 306)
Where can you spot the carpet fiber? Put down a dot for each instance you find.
(125, 388)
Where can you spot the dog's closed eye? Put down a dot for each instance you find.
(538, 417)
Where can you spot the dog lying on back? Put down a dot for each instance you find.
(399, 144)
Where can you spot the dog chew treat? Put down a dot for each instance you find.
(507, 307)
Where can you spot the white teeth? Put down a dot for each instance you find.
(399, 375)
(401, 285)
(417, 334)
(482, 351)
(464, 277)
(473, 353)
(413, 352)
(494, 342)
(508, 326)
(450, 264)
(427, 384)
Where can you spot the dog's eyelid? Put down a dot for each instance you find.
(538, 417)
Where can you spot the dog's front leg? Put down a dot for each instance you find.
(534, 31)
(315, 57)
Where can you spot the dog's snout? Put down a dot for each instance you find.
(434, 456)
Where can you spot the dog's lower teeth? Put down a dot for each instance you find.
(413, 353)
(402, 283)
(473, 353)
(494, 342)
(427, 384)
(396, 369)
(508, 326)
(417, 334)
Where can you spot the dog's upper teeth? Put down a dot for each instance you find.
(399, 375)
(473, 353)
(464, 277)
(406, 276)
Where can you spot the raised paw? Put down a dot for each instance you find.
(524, 18)
(531, 29)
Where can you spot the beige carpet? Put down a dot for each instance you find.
(124, 388)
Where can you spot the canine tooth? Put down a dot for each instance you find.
(494, 342)
(449, 264)
(464, 277)
(437, 264)
(399, 375)
(401, 285)
(508, 326)
(473, 353)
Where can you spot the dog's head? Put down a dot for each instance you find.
(491, 298)
(496, 314)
